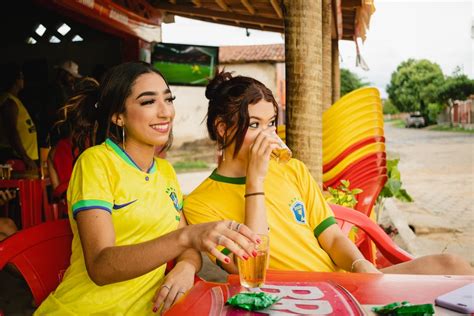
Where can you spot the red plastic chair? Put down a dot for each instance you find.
(41, 254)
(347, 218)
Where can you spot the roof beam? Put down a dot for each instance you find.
(248, 20)
(223, 5)
(197, 3)
(277, 8)
(248, 6)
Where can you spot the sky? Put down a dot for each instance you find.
(440, 31)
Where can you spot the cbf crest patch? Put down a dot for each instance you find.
(298, 209)
(172, 194)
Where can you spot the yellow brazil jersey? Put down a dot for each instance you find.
(143, 206)
(25, 127)
(296, 212)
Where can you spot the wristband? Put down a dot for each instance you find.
(252, 194)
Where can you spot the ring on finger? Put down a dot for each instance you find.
(181, 291)
(237, 228)
(166, 286)
(219, 239)
(231, 225)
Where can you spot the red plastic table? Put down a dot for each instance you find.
(207, 298)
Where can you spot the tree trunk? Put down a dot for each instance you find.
(327, 55)
(336, 72)
(304, 74)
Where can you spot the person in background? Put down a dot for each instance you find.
(18, 138)
(282, 200)
(7, 225)
(62, 88)
(125, 204)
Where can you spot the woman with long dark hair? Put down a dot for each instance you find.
(125, 204)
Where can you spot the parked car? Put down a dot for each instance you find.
(415, 120)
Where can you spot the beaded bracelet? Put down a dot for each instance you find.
(252, 194)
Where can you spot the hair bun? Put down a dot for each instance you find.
(215, 84)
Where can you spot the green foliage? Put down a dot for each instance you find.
(350, 81)
(343, 195)
(393, 186)
(389, 108)
(434, 109)
(456, 87)
(190, 165)
(443, 128)
(414, 85)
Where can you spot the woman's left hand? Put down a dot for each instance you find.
(176, 283)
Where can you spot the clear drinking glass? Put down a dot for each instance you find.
(252, 272)
(282, 154)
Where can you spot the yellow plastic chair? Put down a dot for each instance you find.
(367, 150)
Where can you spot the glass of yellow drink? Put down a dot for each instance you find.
(283, 153)
(252, 272)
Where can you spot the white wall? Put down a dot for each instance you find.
(191, 108)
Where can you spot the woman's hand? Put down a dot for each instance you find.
(236, 237)
(176, 283)
(6, 195)
(259, 155)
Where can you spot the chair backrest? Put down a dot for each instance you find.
(41, 254)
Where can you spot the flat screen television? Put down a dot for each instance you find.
(183, 64)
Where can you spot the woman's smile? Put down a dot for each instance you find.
(163, 127)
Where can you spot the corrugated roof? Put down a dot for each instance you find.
(251, 53)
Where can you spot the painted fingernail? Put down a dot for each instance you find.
(155, 309)
(254, 253)
(259, 241)
(226, 260)
(245, 257)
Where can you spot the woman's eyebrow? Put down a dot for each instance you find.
(146, 93)
(152, 93)
(259, 118)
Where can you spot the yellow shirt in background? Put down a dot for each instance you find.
(25, 127)
(296, 212)
(143, 206)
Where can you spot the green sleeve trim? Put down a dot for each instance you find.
(218, 262)
(88, 204)
(323, 225)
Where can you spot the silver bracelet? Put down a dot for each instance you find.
(355, 262)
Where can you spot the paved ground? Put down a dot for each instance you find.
(437, 169)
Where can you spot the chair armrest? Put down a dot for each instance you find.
(383, 242)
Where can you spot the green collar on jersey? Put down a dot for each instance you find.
(217, 177)
(125, 157)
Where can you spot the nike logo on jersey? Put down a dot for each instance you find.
(119, 206)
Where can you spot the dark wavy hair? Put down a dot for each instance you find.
(89, 112)
(229, 98)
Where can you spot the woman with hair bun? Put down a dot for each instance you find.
(125, 204)
(281, 200)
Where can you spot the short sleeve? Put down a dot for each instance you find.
(90, 186)
(197, 212)
(320, 215)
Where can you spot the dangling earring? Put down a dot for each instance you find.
(223, 149)
(123, 137)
